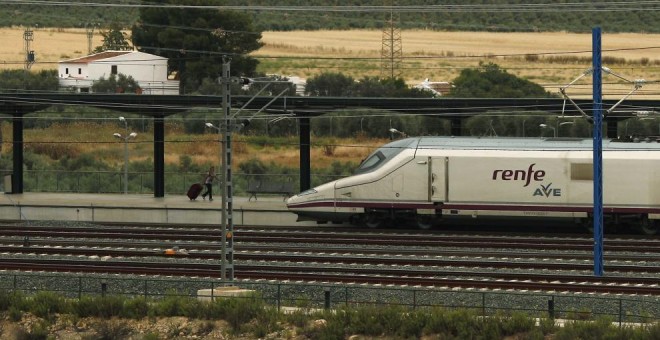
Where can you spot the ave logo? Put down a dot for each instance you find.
(547, 191)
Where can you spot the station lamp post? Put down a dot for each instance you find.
(125, 138)
(562, 124)
(395, 131)
(546, 126)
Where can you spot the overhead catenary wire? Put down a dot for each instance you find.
(550, 6)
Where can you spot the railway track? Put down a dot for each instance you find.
(363, 238)
(427, 259)
(329, 258)
(53, 245)
(405, 276)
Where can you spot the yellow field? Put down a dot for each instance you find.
(438, 56)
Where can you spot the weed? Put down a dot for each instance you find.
(329, 149)
(15, 314)
(111, 330)
(178, 329)
(151, 336)
(547, 325)
(38, 331)
(207, 327)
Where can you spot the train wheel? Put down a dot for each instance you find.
(424, 222)
(648, 227)
(374, 221)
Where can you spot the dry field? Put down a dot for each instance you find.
(438, 56)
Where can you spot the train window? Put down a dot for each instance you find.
(582, 172)
(380, 156)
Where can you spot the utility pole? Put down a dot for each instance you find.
(391, 53)
(28, 37)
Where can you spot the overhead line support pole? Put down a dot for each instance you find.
(597, 151)
(227, 225)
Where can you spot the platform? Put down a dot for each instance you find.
(120, 208)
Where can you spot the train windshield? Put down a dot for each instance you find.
(383, 154)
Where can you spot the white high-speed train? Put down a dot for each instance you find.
(428, 178)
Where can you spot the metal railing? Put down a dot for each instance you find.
(306, 295)
(176, 183)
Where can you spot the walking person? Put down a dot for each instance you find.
(208, 182)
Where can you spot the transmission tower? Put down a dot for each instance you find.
(28, 36)
(89, 32)
(391, 55)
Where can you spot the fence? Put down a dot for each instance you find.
(138, 182)
(564, 306)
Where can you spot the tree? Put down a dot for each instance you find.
(116, 84)
(114, 39)
(387, 87)
(330, 84)
(196, 39)
(490, 81)
(22, 80)
(340, 85)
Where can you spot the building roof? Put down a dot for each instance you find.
(97, 56)
(509, 143)
(115, 56)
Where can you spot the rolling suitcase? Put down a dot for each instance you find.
(194, 191)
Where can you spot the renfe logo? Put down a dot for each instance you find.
(520, 175)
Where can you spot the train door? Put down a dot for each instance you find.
(438, 185)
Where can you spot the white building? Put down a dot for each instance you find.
(438, 88)
(150, 71)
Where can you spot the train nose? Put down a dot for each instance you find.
(299, 198)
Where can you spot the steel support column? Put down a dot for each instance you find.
(159, 156)
(17, 170)
(305, 158)
(456, 126)
(612, 126)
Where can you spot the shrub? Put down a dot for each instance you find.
(193, 309)
(329, 149)
(45, 304)
(9, 300)
(177, 329)
(237, 311)
(599, 329)
(105, 306)
(171, 306)
(135, 308)
(151, 336)
(38, 331)
(547, 325)
(15, 314)
(253, 166)
(532, 57)
(265, 322)
(111, 330)
(516, 323)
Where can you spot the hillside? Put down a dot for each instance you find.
(452, 15)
